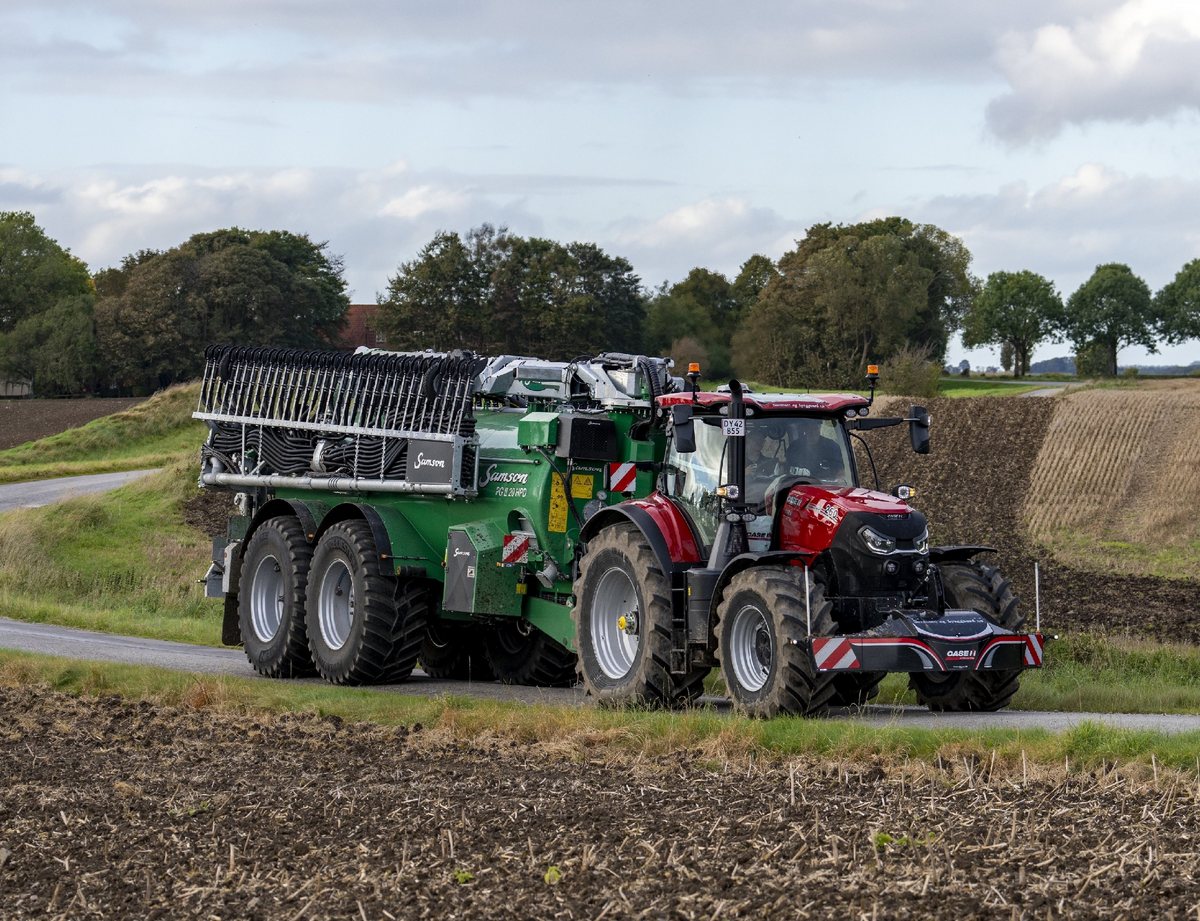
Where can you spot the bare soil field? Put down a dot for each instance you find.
(114, 810)
(973, 486)
(28, 420)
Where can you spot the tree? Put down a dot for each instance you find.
(158, 311)
(46, 299)
(496, 293)
(1177, 305)
(850, 295)
(1109, 311)
(701, 307)
(755, 274)
(1017, 310)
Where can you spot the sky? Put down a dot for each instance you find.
(1053, 135)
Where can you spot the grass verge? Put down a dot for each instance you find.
(588, 732)
(966, 387)
(150, 434)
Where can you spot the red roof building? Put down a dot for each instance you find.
(360, 328)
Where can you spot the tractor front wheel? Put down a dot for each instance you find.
(623, 625)
(973, 586)
(762, 642)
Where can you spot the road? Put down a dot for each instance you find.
(209, 660)
(42, 492)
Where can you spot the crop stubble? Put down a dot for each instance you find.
(114, 809)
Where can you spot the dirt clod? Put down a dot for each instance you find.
(117, 810)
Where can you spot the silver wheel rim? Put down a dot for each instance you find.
(751, 647)
(266, 599)
(335, 605)
(616, 649)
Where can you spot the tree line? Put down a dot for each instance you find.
(876, 291)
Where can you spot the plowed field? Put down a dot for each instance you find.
(975, 486)
(116, 810)
(29, 420)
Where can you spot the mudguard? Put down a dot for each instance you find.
(661, 523)
(744, 561)
(957, 553)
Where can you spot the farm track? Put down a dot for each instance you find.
(115, 810)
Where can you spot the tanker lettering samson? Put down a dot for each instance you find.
(531, 521)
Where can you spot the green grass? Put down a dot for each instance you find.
(1173, 559)
(121, 562)
(981, 387)
(147, 435)
(589, 733)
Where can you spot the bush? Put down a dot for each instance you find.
(911, 373)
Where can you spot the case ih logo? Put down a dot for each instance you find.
(960, 654)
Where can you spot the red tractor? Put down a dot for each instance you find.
(760, 552)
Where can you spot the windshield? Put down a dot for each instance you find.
(779, 450)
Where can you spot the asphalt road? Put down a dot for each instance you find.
(209, 660)
(43, 492)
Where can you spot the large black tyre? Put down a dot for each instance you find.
(762, 642)
(973, 586)
(451, 650)
(854, 689)
(271, 599)
(363, 626)
(519, 653)
(623, 625)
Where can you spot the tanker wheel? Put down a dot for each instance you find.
(854, 689)
(363, 626)
(762, 643)
(274, 582)
(451, 650)
(623, 625)
(519, 653)
(974, 586)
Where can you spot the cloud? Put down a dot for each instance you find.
(380, 51)
(1064, 229)
(1133, 62)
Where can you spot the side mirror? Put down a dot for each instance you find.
(684, 428)
(918, 429)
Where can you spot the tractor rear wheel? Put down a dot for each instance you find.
(363, 627)
(762, 642)
(451, 650)
(519, 653)
(623, 625)
(271, 599)
(855, 689)
(973, 586)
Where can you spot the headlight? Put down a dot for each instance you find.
(922, 543)
(876, 542)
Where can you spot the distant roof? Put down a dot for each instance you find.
(772, 402)
(360, 328)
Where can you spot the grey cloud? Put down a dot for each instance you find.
(387, 51)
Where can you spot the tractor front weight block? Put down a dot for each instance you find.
(956, 641)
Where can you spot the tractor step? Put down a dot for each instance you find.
(956, 641)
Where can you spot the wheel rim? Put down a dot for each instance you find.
(335, 606)
(616, 648)
(266, 599)
(751, 647)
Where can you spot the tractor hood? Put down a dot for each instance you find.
(811, 516)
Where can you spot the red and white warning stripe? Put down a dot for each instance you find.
(622, 477)
(516, 550)
(833, 653)
(1033, 650)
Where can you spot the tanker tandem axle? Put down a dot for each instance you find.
(536, 522)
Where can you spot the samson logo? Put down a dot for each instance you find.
(423, 461)
(458, 553)
(960, 654)
(491, 475)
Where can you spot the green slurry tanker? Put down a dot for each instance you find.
(539, 521)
